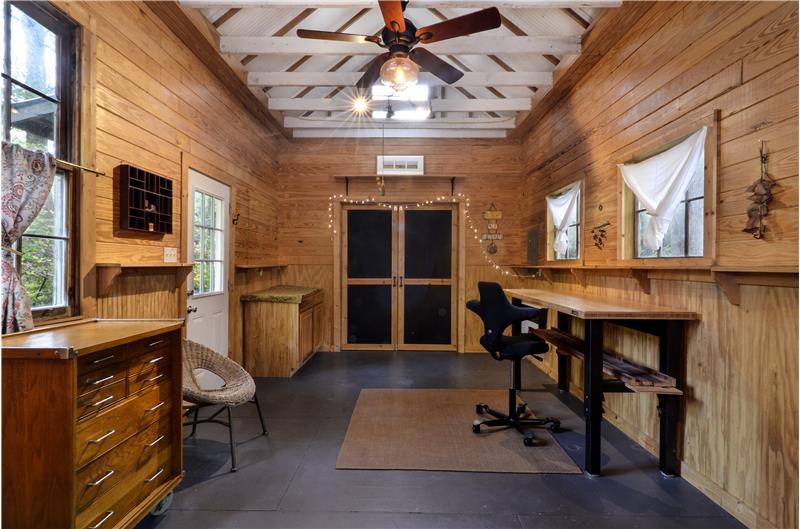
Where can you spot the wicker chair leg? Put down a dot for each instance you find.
(194, 421)
(260, 417)
(233, 446)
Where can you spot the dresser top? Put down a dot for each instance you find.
(280, 294)
(86, 336)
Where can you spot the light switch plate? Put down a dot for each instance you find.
(170, 255)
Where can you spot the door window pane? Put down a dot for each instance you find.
(369, 243)
(428, 244)
(208, 244)
(369, 314)
(426, 314)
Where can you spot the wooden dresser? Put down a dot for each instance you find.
(282, 329)
(91, 423)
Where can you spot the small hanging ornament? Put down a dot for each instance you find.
(492, 217)
(761, 191)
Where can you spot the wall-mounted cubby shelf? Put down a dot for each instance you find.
(145, 200)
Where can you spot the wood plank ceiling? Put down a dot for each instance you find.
(308, 84)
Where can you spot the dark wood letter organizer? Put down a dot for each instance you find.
(145, 200)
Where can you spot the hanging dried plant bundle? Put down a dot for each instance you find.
(761, 195)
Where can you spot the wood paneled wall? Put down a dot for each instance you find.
(157, 105)
(681, 61)
(311, 171)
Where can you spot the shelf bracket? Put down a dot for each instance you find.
(727, 283)
(642, 277)
(106, 276)
(547, 274)
(579, 275)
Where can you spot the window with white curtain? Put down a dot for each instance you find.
(564, 222)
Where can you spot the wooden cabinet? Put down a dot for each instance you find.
(282, 329)
(91, 423)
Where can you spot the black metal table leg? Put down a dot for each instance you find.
(563, 324)
(670, 359)
(593, 392)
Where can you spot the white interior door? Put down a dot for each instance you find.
(207, 293)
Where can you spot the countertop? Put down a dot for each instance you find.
(280, 294)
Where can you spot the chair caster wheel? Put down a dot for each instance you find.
(527, 441)
(480, 408)
(476, 428)
(555, 426)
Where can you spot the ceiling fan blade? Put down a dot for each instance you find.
(435, 65)
(332, 35)
(393, 15)
(372, 72)
(476, 22)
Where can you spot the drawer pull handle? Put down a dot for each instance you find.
(103, 437)
(99, 481)
(154, 408)
(156, 360)
(154, 476)
(155, 378)
(108, 515)
(101, 360)
(102, 401)
(158, 440)
(104, 379)
(155, 343)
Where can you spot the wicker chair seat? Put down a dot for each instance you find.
(239, 386)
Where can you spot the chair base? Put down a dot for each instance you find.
(519, 419)
(229, 425)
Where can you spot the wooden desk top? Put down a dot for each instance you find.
(82, 337)
(588, 308)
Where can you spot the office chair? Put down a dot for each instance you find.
(497, 313)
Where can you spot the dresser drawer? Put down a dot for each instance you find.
(91, 403)
(98, 434)
(102, 474)
(110, 508)
(146, 361)
(100, 378)
(151, 377)
(101, 359)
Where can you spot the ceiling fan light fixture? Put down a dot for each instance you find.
(399, 73)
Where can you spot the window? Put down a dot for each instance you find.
(565, 201)
(208, 245)
(37, 113)
(684, 237)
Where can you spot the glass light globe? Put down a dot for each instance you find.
(399, 73)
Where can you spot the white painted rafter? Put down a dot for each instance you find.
(350, 79)
(482, 45)
(437, 105)
(466, 4)
(341, 122)
(399, 133)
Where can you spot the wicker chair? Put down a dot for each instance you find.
(239, 388)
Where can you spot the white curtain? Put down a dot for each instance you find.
(562, 207)
(661, 181)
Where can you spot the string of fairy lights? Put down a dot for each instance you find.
(442, 199)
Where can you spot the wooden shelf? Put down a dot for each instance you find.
(259, 265)
(107, 273)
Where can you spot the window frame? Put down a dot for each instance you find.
(627, 216)
(551, 252)
(201, 261)
(67, 140)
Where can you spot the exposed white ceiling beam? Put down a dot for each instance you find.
(476, 4)
(350, 79)
(483, 45)
(398, 133)
(331, 123)
(437, 105)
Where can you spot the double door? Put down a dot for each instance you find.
(398, 268)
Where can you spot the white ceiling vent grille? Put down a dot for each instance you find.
(401, 165)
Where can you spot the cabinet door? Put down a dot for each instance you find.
(319, 336)
(306, 345)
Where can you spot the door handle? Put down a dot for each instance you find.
(394, 281)
(191, 309)
(189, 293)
(401, 281)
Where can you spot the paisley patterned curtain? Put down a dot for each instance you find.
(27, 179)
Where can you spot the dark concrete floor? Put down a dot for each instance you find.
(289, 479)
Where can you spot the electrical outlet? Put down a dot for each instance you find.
(170, 255)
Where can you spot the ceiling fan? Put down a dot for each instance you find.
(398, 67)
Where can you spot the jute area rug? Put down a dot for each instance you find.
(431, 429)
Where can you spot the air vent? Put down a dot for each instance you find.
(401, 165)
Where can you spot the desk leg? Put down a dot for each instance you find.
(563, 324)
(593, 392)
(671, 348)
